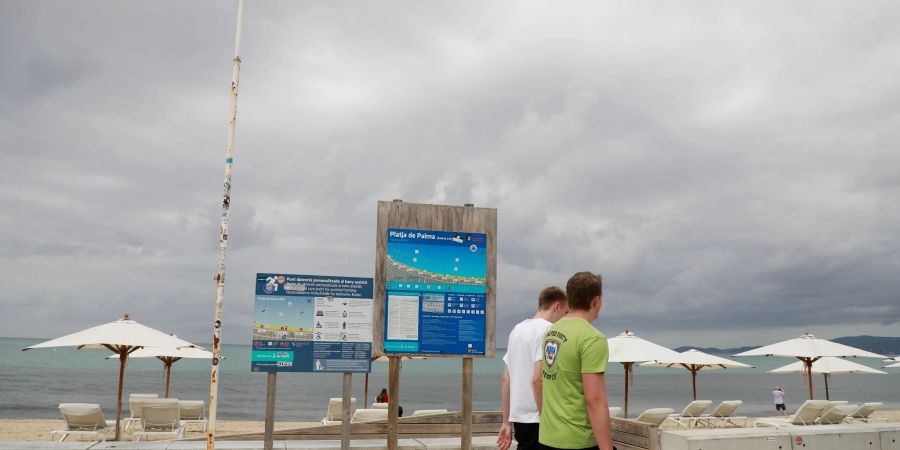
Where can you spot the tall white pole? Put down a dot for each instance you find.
(223, 236)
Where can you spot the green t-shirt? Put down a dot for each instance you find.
(571, 347)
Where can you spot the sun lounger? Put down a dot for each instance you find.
(864, 413)
(160, 417)
(428, 412)
(691, 413)
(83, 419)
(836, 414)
(615, 411)
(654, 416)
(134, 405)
(333, 415)
(193, 412)
(806, 415)
(379, 406)
(722, 414)
(369, 415)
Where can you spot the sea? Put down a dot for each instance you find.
(34, 383)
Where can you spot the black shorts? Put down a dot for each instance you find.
(547, 447)
(526, 435)
(780, 407)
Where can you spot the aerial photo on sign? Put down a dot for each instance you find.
(435, 283)
(309, 323)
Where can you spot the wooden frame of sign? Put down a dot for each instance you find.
(419, 216)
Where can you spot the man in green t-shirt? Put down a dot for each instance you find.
(574, 414)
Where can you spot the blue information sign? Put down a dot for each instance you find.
(311, 323)
(435, 283)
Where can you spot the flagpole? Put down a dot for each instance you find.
(223, 235)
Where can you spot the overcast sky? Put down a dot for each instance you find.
(731, 168)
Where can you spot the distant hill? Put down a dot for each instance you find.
(883, 345)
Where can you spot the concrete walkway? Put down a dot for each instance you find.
(478, 443)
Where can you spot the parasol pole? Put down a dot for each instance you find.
(825, 375)
(223, 234)
(809, 380)
(168, 363)
(694, 370)
(123, 356)
(627, 371)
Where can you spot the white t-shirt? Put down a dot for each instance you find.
(523, 350)
(778, 396)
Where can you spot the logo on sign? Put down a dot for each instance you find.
(551, 348)
(271, 285)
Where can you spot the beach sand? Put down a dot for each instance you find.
(39, 429)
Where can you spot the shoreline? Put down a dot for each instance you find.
(38, 430)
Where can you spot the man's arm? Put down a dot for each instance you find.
(504, 437)
(597, 408)
(537, 385)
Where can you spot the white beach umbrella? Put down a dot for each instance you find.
(808, 349)
(828, 365)
(628, 349)
(123, 337)
(896, 364)
(694, 361)
(169, 356)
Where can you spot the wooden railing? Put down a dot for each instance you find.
(484, 423)
(629, 434)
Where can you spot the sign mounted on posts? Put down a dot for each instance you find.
(312, 323)
(435, 280)
(435, 283)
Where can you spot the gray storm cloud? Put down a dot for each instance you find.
(727, 167)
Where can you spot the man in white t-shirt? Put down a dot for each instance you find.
(521, 392)
(778, 398)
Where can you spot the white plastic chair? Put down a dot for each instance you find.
(160, 417)
(654, 416)
(864, 413)
(333, 415)
(369, 415)
(722, 414)
(806, 414)
(193, 412)
(836, 414)
(83, 419)
(691, 413)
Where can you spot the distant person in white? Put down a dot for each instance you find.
(778, 398)
(521, 394)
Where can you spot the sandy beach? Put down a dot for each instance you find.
(39, 429)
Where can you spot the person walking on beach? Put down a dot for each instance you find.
(778, 398)
(521, 394)
(575, 414)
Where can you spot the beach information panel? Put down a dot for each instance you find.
(435, 292)
(311, 323)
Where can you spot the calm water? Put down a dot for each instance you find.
(33, 383)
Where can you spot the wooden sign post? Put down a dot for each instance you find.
(270, 410)
(461, 221)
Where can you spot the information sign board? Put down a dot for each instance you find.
(435, 286)
(311, 323)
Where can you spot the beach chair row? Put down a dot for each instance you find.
(150, 415)
(825, 412)
(378, 411)
(693, 415)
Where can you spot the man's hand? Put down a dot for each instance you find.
(504, 438)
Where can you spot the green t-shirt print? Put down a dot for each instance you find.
(571, 347)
